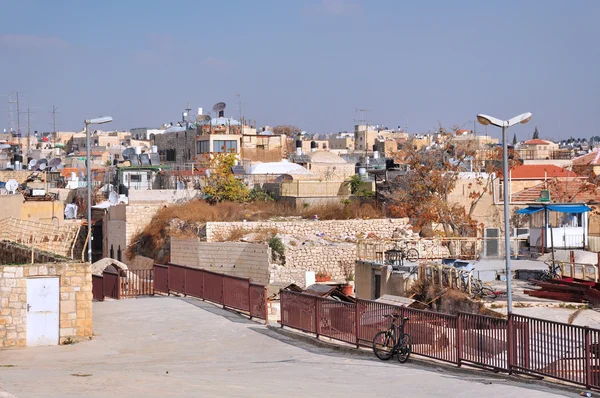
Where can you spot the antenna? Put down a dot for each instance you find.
(188, 109)
(366, 123)
(239, 105)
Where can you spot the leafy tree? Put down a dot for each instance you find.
(288, 130)
(354, 183)
(422, 194)
(221, 184)
(536, 133)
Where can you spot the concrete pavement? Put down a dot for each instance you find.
(170, 347)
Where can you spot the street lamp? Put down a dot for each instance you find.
(505, 124)
(98, 120)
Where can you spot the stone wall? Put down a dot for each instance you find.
(182, 142)
(333, 230)
(75, 313)
(19, 175)
(138, 216)
(331, 259)
(246, 260)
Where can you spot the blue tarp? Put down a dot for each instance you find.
(558, 208)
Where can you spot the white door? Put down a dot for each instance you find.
(42, 311)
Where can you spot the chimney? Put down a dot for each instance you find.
(299, 147)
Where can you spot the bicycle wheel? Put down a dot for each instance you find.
(404, 348)
(488, 292)
(412, 255)
(383, 345)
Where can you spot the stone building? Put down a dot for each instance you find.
(43, 303)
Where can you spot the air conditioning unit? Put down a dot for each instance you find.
(544, 196)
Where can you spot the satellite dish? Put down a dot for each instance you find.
(43, 161)
(11, 186)
(60, 167)
(127, 153)
(32, 164)
(42, 166)
(54, 162)
(219, 106)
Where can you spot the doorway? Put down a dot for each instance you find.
(42, 311)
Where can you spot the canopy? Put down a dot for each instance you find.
(559, 208)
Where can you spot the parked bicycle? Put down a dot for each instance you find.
(550, 273)
(398, 254)
(483, 290)
(389, 342)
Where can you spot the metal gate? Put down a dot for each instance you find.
(111, 285)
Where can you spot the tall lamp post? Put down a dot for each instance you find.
(98, 120)
(505, 124)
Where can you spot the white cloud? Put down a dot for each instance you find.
(30, 42)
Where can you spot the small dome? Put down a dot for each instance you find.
(325, 157)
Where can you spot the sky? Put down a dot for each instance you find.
(309, 63)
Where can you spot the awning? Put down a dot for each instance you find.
(557, 208)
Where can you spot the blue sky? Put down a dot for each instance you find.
(310, 63)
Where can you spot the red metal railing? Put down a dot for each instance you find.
(518, 344)
(136, 282)
(161, 279)
(177, 278)
(230, 291)
(98, 287)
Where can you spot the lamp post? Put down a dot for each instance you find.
(98, 120)
(505, 124)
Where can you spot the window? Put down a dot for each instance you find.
(225, 146)
(202, 147)
(135, 177)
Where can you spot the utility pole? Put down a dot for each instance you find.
(239, 105)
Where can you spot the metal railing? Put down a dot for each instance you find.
(517, 344)
(438, 248)
(136, 282)
(230, 291)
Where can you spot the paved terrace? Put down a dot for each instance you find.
(171, 347)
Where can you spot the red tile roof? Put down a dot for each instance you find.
(561, 191)
(539, 172)
(591, 159)
(536, 142)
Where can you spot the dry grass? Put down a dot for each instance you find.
(154, 241)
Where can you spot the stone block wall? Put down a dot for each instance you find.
(331, 259)
(138, 216)
(75, 311)
(334, 229)
(246, 260)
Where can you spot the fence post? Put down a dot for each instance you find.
(459, 340)
(185, 281)
(356, 323)
(588, 359)
(249, 301)
(223, 290)
(317, 317)
(266, 298)
(510, 343)
(281, 307)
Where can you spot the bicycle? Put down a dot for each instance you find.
(387, 343)
(483, 290)
(397, 255)
(550, 273)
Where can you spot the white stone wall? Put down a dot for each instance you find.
(332, 230)
(326, 258)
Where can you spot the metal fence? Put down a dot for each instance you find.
(517, 344)
(136, 282)
(230, 291)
